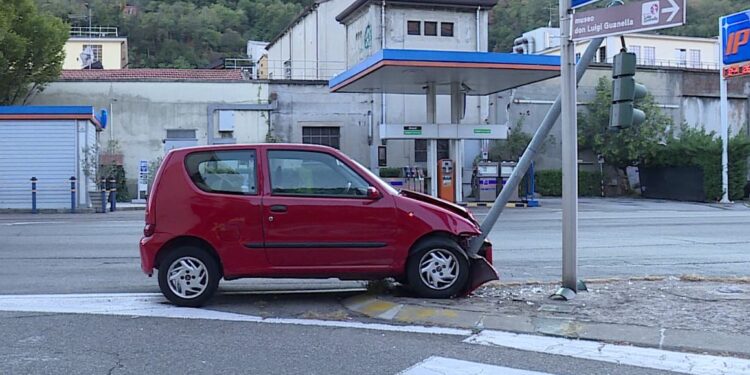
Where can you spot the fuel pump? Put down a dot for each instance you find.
(486, 181)
(506, 170)
(446, 180)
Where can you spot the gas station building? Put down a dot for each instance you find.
(426, 65)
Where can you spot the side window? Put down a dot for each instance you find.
(310, 173)
(227, 172)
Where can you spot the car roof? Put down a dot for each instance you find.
(258, 146)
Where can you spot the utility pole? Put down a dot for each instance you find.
(569, 151)
(724, 119)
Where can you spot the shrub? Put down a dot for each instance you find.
(698, 148)
(549, 183)
(390, 172)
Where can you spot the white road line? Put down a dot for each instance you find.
(154, 305)
(29, 223)
(441, 366)
(694, 364)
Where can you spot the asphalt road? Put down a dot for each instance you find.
(51, 254)
(89, 344)
(623, 238)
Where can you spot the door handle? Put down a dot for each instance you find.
(278, 208)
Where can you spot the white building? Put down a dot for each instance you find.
(650, 49)
(105, 44)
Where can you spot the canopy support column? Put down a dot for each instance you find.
(432, 166)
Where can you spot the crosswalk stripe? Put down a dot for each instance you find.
(441, 366)
(687, 363)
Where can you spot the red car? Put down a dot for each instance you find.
(296, 211)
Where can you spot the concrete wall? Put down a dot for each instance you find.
(368, 16)
(141, 112)
(464, 29)
(309, 103)
(114, 52)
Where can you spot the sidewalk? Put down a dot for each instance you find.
(686, 314)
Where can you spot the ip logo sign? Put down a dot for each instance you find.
(735, 32)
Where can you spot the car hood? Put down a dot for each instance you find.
(452, 207)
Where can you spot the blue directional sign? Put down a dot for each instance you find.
(580, 3)
(735, 34)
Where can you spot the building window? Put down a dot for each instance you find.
(288, 69)
(602, 54)
(443, 149)
(446, 28)
(420, 150)
(637, 51)
(326, 135)
(681, 57)
(96, 50)
(414, 28)
(695, 58)
(430, 28)
(649, 55)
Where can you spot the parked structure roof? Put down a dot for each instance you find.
(62, 112)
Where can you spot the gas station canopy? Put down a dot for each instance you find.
(398, 71)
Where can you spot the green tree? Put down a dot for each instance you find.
(511, 18)
(624, 147)
(31, 50)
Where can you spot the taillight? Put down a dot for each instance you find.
(149, 229)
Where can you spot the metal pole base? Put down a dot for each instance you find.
(567, 294)
(563, 294)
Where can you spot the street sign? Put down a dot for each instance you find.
(735, 37)
(143, 166)
(629, 18)
(580, 3)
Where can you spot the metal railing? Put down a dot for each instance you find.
(94, 32)
(238, 63)
(303, 69)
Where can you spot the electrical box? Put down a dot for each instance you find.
(226, 121)
(446, 180)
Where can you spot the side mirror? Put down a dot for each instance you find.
(373, 193)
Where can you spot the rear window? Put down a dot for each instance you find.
(227, 172)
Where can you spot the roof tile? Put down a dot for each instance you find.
(152, 75)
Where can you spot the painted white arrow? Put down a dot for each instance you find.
(674, 8)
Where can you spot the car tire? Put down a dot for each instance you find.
(188, 276)
(437, 269)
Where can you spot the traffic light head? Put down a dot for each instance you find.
(624, 93)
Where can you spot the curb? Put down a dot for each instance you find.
(652, 337)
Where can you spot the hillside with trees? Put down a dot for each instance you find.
(192, 33)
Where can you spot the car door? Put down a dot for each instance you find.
(228, 210)
(317, 215)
